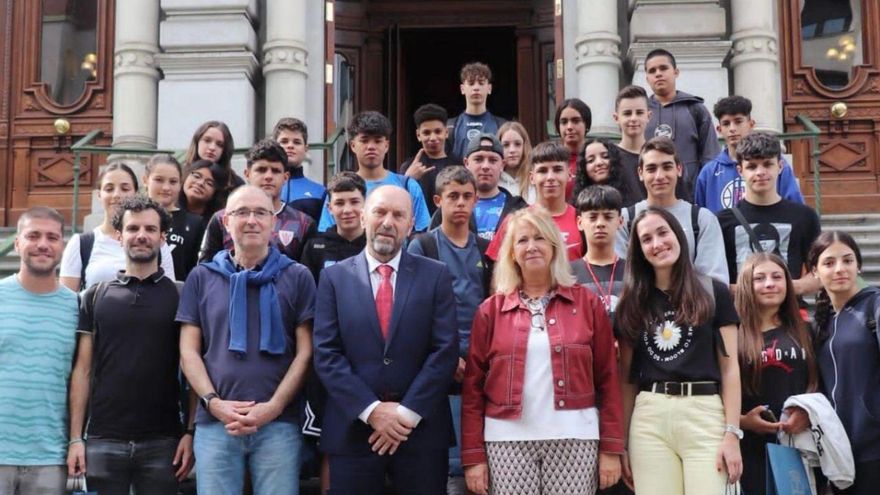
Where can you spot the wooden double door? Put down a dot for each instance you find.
(395, 55)
(830, 50)
(57, 63)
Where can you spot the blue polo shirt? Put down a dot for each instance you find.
(253, 375)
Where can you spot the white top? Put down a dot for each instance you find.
(540, 420)
(106, 261)
(509, 182)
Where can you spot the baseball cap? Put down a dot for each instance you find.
(476, 144)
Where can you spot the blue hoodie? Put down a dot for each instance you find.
(719, 185)
(849, 365)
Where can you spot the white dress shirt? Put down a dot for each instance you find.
(409, 416)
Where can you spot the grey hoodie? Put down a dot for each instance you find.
(695, 145)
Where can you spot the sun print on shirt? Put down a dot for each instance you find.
(668, 340)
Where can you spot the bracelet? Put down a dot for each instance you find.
(75, 440)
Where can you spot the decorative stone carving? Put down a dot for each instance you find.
(285, 56)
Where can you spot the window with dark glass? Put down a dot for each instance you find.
(68, 47)
(831, 39)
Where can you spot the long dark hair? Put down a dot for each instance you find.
(823, 301)
(220, 177)
(751, 336)
(691, 302)
(615, 173)
(192, 153)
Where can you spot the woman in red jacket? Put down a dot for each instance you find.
(540, 399)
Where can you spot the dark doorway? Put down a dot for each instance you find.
(430, 61)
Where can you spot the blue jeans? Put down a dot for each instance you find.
(115, 466)
(271, 455)
(455, 468)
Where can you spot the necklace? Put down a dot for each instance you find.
(604, 294)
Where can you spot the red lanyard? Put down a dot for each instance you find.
(605, 294)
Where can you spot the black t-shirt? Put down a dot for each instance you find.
(672, 352)
(184, 238)
(135, 390)
(784, 228)
(329, 248)
(783, 373)
(603, 275)
(428, 181)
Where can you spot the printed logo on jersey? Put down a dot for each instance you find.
(774, 357)
(285, 236)
(472, 133)
(732, 193)
(773, 237)
(664, 130)
(668, 340)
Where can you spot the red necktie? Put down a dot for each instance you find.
(384, 298)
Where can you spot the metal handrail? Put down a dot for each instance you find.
(84, 145)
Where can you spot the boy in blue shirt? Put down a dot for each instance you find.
(299, 191)
(719, 185)
(369, 136)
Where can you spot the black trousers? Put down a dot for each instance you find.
(417, 471)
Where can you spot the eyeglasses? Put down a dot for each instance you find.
(259, 213)
(199, 177)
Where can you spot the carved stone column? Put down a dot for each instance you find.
(285, 60)
(755, 62)
(210, 64)
(597, 60)
(135, 76)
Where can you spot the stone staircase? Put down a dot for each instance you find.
(865, 229)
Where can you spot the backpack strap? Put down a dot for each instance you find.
(100, 291)
(428, 243)
(695, 224)
(754, 244)
(631, 214)
(86, 245)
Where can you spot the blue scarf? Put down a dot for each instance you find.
(271, 324)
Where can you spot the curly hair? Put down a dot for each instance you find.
(370, 123)
(615, 171)
(138, 204)
(266, 149)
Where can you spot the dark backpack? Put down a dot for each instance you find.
(430, 249)
(86, 245)
(695, 223)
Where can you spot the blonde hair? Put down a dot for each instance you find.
(508, 276)
(525, 162)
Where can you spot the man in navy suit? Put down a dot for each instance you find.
(386, 348)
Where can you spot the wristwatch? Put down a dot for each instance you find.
(206, 399)
(735, 430)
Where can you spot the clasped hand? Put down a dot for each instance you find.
(389, 428)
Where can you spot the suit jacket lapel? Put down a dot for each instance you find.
(364, 294)
(405, 276)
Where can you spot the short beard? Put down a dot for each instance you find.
(382, 247)
(39, 271)
(142, 258)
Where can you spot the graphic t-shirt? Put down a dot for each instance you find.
(670, 351)
(567, 224)
(292, 229)
(606, 281)
(785, 228)
(783, 373)
(488, 213)
(184, 239)
(468, 127)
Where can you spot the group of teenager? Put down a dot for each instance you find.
(573, 317)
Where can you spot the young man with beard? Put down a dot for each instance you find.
(266, 169)
(38, 335)
(431, 158)
(126, 371)
(369, 135)
(679, 116)
(660, 170)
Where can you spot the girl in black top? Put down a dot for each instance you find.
(776, 359)
(163, 181)
(678, 346)
(212, 141)
(848, 353)
(201, 194)
(599, 163)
